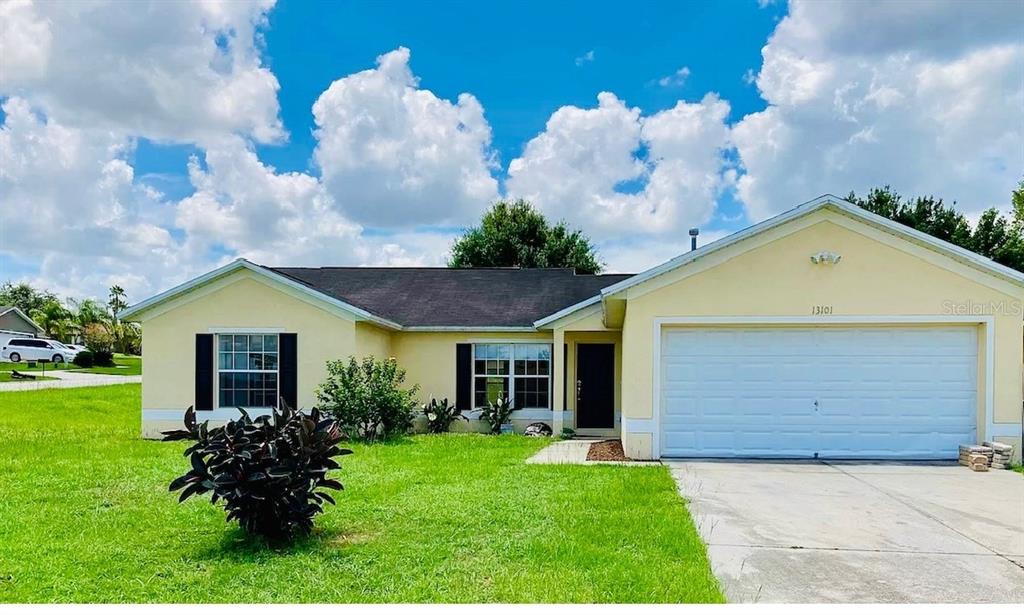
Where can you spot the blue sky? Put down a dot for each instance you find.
(522, 62)
(143, 147)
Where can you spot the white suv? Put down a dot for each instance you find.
(33, 349)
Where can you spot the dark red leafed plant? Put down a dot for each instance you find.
(267, 471)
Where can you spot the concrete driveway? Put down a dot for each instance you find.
(858, 532)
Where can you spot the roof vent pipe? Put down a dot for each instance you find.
(693, 238)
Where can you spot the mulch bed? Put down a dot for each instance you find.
(607, 450)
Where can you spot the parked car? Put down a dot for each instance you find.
(76, 347)
(34, 349)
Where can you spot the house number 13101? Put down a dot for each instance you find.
(821, 310)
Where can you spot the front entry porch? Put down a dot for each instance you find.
(587, 379)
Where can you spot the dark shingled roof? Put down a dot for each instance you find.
(442, 297)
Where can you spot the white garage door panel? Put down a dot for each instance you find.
(881, 392)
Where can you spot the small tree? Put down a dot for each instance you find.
(100, 343)
(515, 234)
(367, 398)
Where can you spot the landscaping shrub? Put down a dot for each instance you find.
(100, 342)
(266, 471)
(367, 398)
(496, 414)
(440, 415)
(84, 359)
(103, 358)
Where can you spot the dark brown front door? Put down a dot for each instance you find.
(595, 386)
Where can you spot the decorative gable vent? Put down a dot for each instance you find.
(826, 258)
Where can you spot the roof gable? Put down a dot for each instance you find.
(828, 201)
(13, 309)
(183, 289)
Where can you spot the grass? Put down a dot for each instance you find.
(85, 516)
(125, 365)
(38, 367)
(5, 376)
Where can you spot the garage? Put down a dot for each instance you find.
(855, 392)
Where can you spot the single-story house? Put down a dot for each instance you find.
(826, 331)
(15, 323)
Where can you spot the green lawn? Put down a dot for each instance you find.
(38, 367)
(5, 376)
(85, 516)
(126, 365)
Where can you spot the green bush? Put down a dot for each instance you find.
(100, 342)
(496, 414)
(84, 358)
(440, 415)
(103, 358)
(367, 398)
(266, 471)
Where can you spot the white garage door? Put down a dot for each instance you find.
(866, 393)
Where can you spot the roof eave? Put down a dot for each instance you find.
(242, 263)
(470, 328)
(826, 200)
(560, 314)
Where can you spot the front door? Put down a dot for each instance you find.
(595, 386)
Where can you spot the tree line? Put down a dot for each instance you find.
(77, 320)
(516, 234)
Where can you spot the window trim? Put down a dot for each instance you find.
(511, 376)
(217, 369)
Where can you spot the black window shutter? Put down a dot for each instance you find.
(288, 370)
(204, 371)
(464, 376)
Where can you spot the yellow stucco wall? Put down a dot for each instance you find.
(372, 340)
(879, 275)
(429, 357)
(238, 301)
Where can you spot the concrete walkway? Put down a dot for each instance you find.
(575, 452)
(858, 532)
(67, 380)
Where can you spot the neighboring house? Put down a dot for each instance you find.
(827, 331)
(15, 323)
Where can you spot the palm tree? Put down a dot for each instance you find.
(54, 318)
(87, 312)
(117, 301)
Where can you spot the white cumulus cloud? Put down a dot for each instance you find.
(925, 96)
(615, 171)
(393, 154)
(179, 71)
(70, 204)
